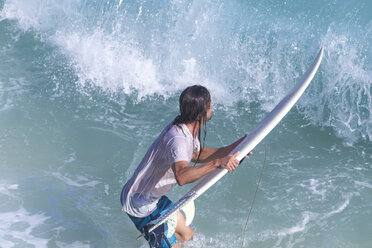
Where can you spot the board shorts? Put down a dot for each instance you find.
(159, 238)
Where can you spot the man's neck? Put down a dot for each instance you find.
(193, 128)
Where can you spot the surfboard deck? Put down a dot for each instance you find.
(186, 203)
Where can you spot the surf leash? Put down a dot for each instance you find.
(254, 198)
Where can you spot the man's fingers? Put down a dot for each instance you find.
(235, 154)
(231, 162)
(249, 154)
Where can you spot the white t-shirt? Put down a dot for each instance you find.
(154, 176)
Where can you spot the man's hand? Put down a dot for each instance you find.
(229, 162)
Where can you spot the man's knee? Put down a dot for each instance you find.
(185, 236)
(189, 235)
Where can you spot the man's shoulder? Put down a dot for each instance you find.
(176, 134)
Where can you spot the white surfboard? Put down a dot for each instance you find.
(186, 203)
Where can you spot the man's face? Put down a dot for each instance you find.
(209, 112)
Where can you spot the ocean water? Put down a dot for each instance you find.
(86, 86)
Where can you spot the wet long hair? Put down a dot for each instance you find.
(194, 103)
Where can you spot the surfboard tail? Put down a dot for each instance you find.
(189, 211)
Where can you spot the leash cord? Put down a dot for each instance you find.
(254, 198)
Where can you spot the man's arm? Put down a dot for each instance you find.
(188, 174)
(209, 154)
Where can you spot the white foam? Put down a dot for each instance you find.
(314, 184)
(24, 17)
(71, 158)
(75, 244)
(364, 184)
(27, 222)
(80, 181)
(9, 90)
(217, 241)
(345, 89)
(339, 209)
(5, 188)
(37, 14)
(110, 63)
(107, 188)
(145, 55)
(5, 103)
(300, 227)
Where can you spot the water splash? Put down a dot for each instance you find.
(147, 49)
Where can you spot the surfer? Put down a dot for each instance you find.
(167, 163)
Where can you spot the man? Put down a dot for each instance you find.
(167, 163)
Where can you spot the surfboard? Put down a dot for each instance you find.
(186, 203)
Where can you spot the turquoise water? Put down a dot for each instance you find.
(85, 87)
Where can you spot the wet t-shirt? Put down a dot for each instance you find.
(154, 176)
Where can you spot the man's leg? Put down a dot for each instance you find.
(177, 245)
(183, 233)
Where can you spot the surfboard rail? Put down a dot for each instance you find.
(247, 145)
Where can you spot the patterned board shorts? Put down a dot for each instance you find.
(163, 236)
